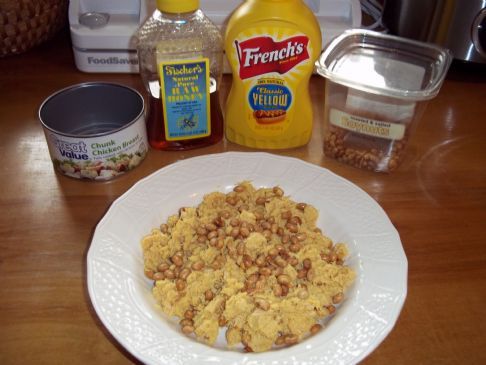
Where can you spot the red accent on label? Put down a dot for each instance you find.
(261, 55)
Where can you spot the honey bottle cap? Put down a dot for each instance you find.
(177, 6)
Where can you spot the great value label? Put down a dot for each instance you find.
(102, 157)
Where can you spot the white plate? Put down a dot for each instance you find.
(122, 298)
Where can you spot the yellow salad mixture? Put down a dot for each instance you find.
(252, 262)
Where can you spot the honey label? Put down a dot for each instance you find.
(370, 127)
(185, 98)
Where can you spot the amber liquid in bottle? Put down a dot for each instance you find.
(156, 127)
(176, 35)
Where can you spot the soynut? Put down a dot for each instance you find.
(220, 243)
(277, 290)
(273, 252)
(285, 290)
(187, 329)
(291, 339)
(201, 231)
(301, 274)
(265, 225)
(253, 278)
(213, 241)
(164, 228)
(198, 265)
(301, 206)
(260, 261)
(315, 328)
(189, 314)
(265, 271)
(263, 304)
(169, 274)
(222, 321)
(180, 284)
(311, 274)
(280, 261)
(239, 188)
(225, 214)
(283, 279)
(177, 260)
(247, 262)
(338, 298)
(278, 191)
(280, 340)
(186, 322)
(260, 284)
(245, 232)
(293, 228)
(149, 273)
(295, 247)
(307, 264)
(301, 237)
(208, 295)
(163, 266)
(286, 215)
(295, 220)
(231, 200)
(261, 200)
(293, 261)
(235, 232)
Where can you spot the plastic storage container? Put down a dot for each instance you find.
(377, 89)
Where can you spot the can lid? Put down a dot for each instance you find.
(386, 65)
(177, 6)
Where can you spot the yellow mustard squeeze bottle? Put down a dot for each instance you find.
(271, 46)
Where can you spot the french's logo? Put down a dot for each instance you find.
(262, 55)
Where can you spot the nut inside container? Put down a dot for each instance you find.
(376, 92)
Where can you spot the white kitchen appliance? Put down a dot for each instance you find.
(102, 30)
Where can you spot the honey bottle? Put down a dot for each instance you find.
(180, 54)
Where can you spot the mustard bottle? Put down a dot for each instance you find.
(271, 46)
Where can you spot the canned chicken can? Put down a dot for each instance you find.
(95, 131)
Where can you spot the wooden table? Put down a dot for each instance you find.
(436, 200)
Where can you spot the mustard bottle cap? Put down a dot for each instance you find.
(177, 6)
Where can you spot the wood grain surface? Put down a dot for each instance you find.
(436, 200)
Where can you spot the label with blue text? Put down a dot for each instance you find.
(185, 98)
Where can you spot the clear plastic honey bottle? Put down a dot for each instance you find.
(180, 55)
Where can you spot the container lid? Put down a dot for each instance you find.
(386, 65)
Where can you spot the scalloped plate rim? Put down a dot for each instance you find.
(402, 260)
